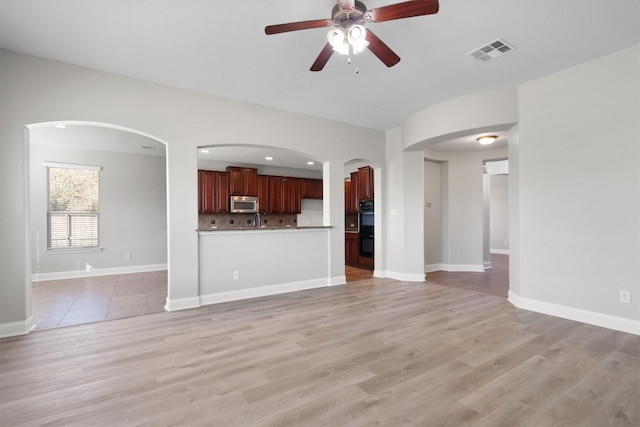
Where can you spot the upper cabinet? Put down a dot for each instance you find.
(242, 181)
(365, 183)
(276, 194)
(311, 188)
(213, 192)
(264, 194)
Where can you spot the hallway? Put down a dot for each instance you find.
(494, 281)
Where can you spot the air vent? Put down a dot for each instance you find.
(492, 50)
(147, 147)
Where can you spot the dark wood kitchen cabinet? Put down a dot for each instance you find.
(351, 252)
(284, 192)
(275, 194)
(291, 198)
(311, 188)
(365, 183)
(351, 204)
(264, 194)
(350, 197)
(213, 192)
(242, 181)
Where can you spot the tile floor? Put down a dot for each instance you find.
(57, 303)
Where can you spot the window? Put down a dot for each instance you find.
(72, 212)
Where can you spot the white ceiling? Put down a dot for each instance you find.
(219, 47)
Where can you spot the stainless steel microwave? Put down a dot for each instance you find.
(244, 204)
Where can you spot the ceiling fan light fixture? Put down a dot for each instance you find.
(357, 37)
(337, 37)
(486, 139)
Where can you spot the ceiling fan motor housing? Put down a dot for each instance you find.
(346, 18)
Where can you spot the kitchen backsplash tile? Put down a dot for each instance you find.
(242, 221)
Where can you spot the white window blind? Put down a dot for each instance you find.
(73, 206)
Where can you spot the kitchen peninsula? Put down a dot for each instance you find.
(271, 250)
(252, 262)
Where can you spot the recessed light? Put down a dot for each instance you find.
(310, 163)
(268, 158)
(61, 126)
(204, 150)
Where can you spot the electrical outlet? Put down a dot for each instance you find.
(625, 297)
(236, 275)
(127, 257)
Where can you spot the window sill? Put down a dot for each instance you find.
(72, 251)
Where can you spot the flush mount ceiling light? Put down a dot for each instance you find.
(486, 139)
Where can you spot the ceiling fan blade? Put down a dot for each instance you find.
(381, 50)
(323, 58)
(296, 26)
(405, 9)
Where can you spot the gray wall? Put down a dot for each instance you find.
(432, 215)
(499, 215)
(133, 210)
(579, 186)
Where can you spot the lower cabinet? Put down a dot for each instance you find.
(351, 251)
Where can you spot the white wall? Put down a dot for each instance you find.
(35, 90)
(432, 216)
(404, 227)
(499, 216)
(579, 189)
(133, 211)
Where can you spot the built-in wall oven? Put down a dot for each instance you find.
(366, 221)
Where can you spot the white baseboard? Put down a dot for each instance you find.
(499, 251)
(12, 329)
(338, 280)
(38, 277)
(182, 303)
(472, 268)
(585, 316)
(486, 265)
(403, 277)
(262, 291)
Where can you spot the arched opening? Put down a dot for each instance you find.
(458, 214)
(110, 262)
(361, 223)
(287, 184)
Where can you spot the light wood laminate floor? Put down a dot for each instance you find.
(493, 281)
(375, 352)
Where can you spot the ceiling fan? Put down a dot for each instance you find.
(349, 36)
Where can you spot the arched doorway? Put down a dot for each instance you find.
(360, 220)
(108, 263)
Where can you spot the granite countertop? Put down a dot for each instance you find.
(306, 227)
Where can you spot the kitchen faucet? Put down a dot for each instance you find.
(257, 222)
